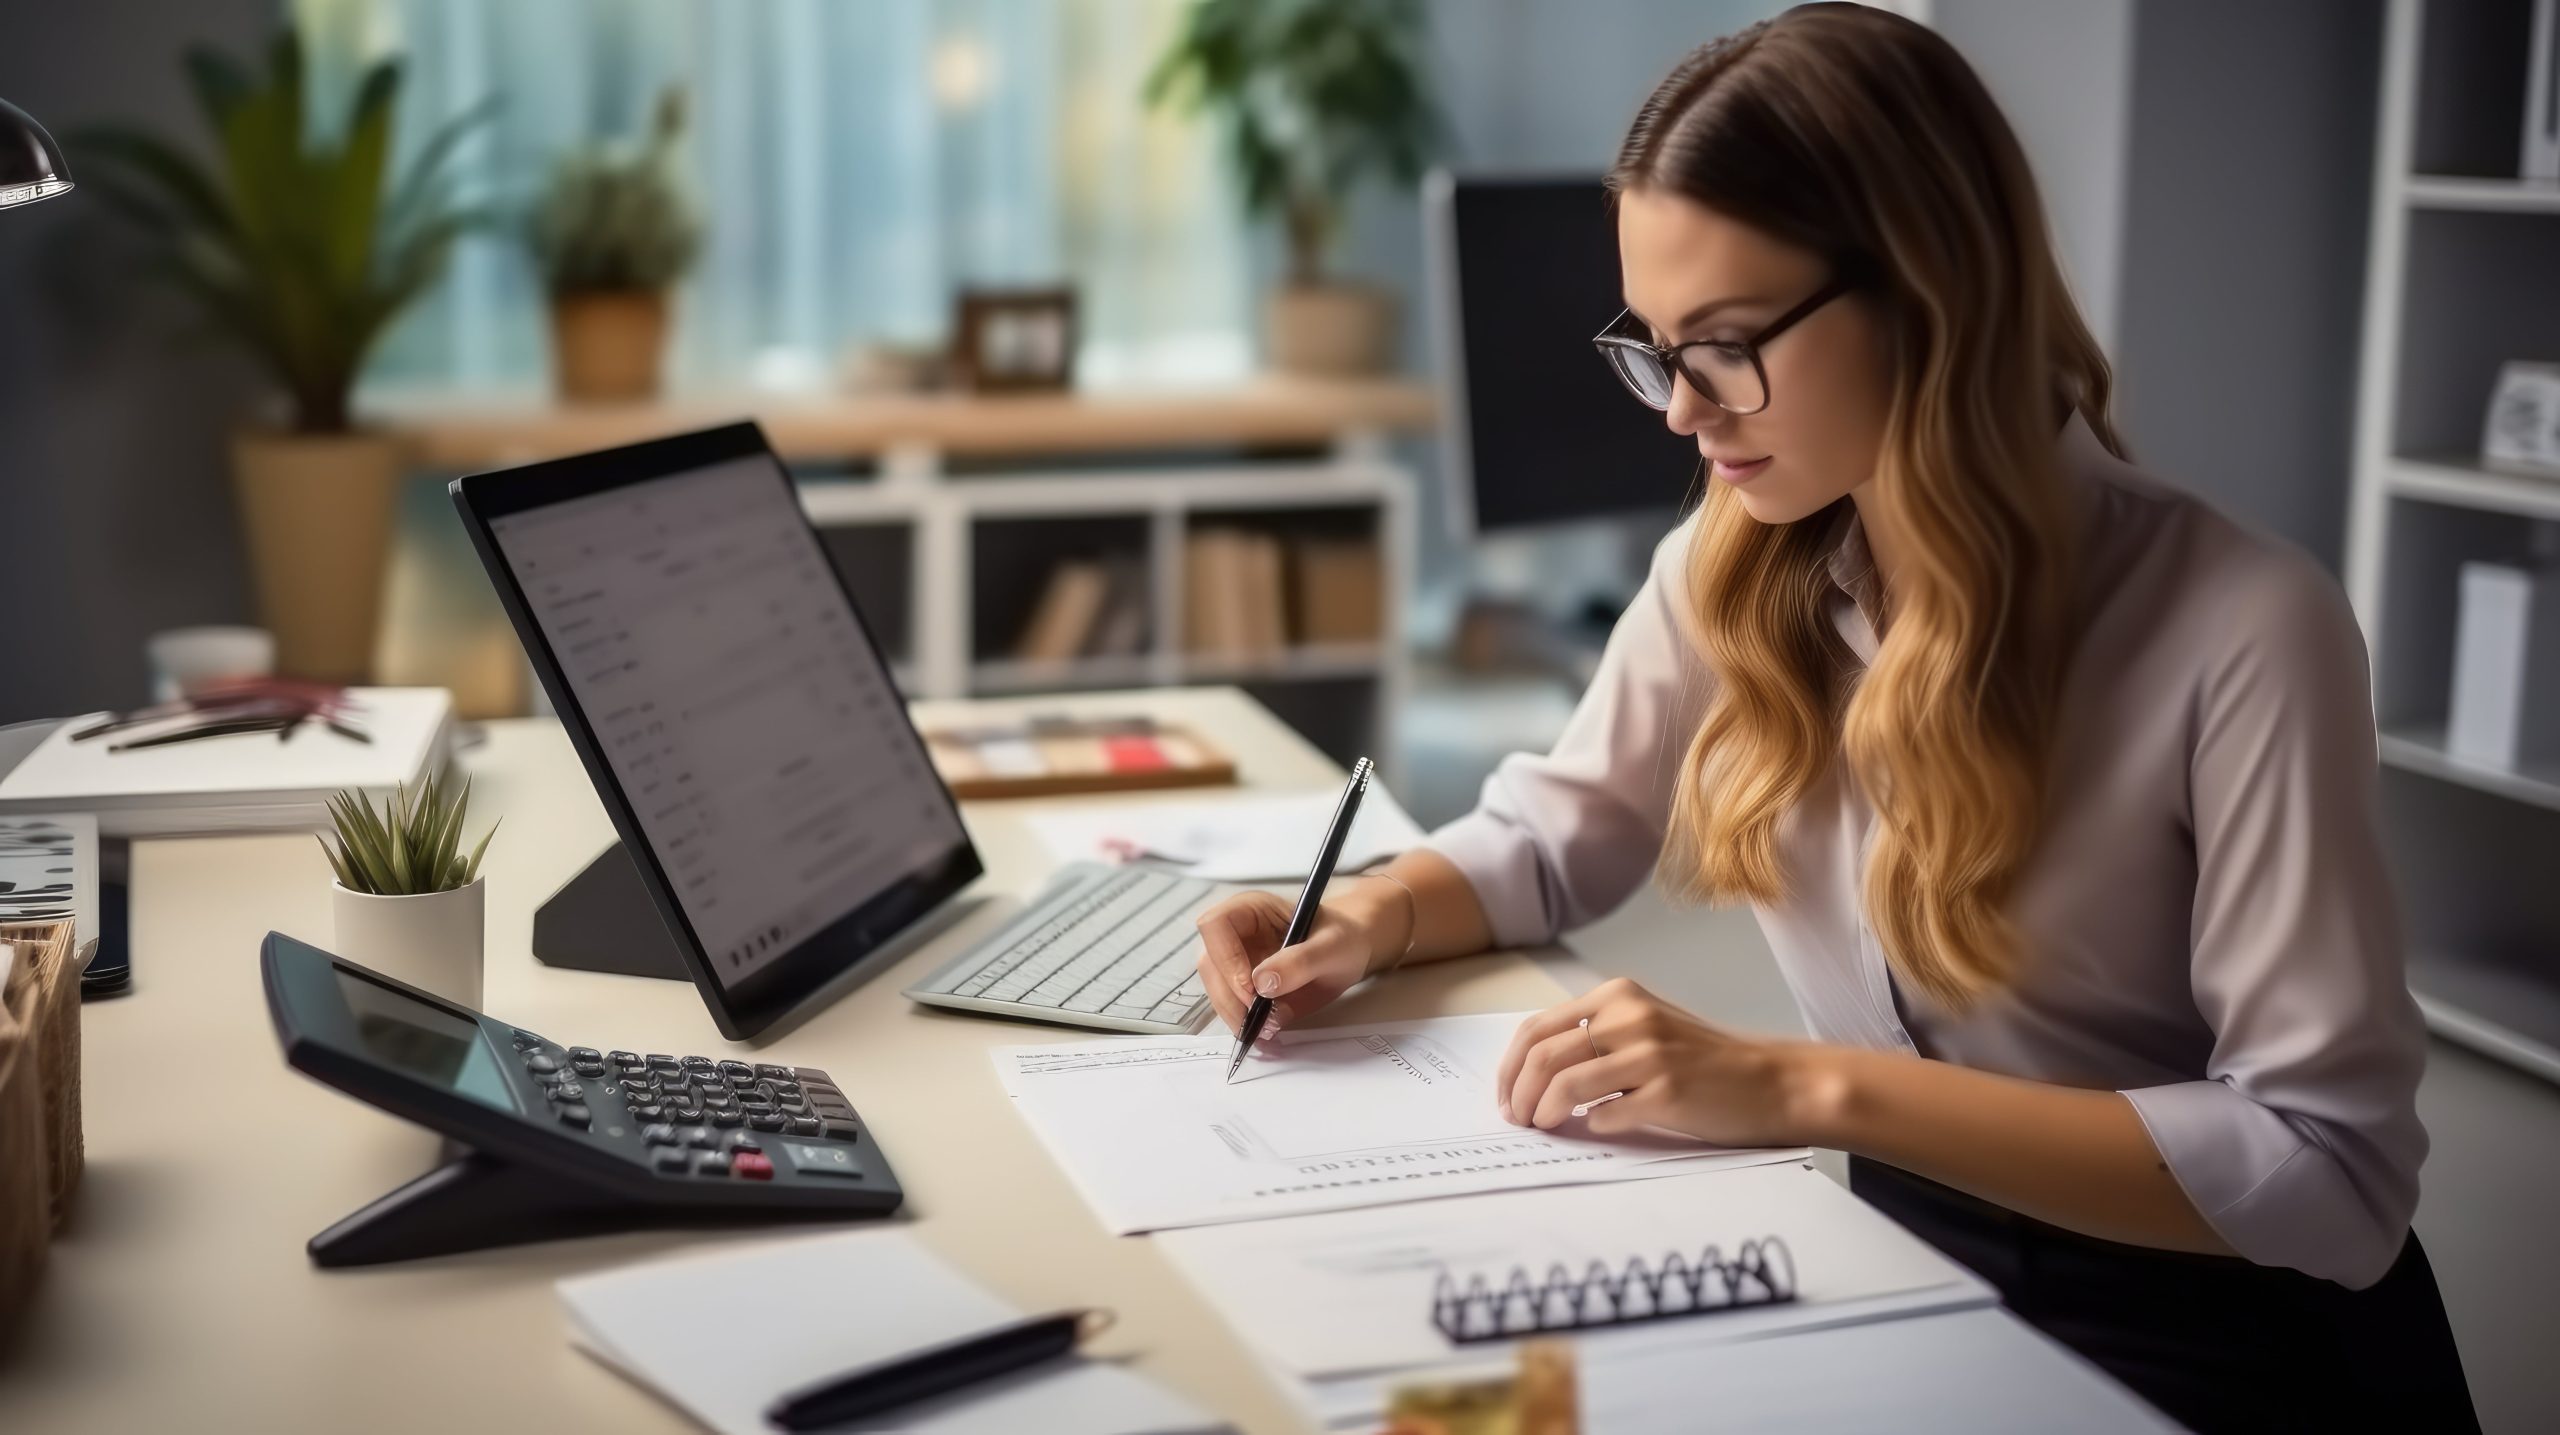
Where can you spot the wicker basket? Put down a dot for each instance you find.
(39, 1104)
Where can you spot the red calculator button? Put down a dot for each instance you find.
(752, 1166)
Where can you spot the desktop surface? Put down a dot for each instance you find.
(181, 1298)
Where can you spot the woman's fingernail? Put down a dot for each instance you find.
(1267, 983)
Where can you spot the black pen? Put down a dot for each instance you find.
(1303, 920)
(934, 1370)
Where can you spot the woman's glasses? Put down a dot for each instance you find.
(1726, 372)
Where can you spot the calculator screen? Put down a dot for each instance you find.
(425, 1041)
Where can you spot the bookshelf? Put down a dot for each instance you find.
(2459, 279)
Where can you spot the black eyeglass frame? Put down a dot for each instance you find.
(1670, 356)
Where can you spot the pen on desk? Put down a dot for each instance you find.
(1303, 920)
(934, 1370)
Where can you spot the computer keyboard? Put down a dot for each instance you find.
(1112, 948)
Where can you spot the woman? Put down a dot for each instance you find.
(2053, 788)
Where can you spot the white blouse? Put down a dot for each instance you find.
(2209, 925)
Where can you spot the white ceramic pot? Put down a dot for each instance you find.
(431, 939)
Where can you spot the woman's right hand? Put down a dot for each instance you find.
(1241, 956)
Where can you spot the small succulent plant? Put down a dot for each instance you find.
(409, 846)
(617, 219)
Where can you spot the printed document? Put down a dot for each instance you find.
(1154, 1137)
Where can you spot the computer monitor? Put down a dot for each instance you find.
(1535, 428)
(732, 710)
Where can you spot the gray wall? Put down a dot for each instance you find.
(2207, 168)
(2058, 69)
(2248, 193)
(115, 511)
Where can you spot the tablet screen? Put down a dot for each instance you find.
(756, 734)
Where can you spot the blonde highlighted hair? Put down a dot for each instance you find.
(1864, 137)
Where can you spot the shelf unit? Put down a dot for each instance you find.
(945, 513)
(2459, 279)
(945, 648)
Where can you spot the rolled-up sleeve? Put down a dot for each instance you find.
(2303, 1144)
(1559, 839)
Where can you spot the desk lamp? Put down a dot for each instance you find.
(31, 166)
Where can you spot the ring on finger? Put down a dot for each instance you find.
(1594, 1039)
(1583, 1108)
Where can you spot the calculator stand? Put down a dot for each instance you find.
(477, 1201)
(469, 1203)
(604, 920)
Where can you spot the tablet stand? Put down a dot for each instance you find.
(604, 920)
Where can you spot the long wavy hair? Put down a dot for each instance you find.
(1864, 137)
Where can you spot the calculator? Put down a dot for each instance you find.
(561, 1140)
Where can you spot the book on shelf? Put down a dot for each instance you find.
(1233, 604)
(1062, 622)
(1257, 593)
(1339, 587)
(1120, 629)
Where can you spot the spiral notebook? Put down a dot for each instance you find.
(1760, 1272)
(1346, 1298)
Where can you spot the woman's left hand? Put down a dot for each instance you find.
(1678, 1072)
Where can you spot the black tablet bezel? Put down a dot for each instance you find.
(770, 994)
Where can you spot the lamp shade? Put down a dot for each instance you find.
(31, 166)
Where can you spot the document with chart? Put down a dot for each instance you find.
(1153, 1137)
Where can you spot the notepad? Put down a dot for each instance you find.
(244, 782)
(1354, 1291)
(723, 1334)
(1154, 1137)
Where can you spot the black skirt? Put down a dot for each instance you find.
(2216, 1342)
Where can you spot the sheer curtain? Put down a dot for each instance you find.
(856, 161)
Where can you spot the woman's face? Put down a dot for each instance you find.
(1692, 273)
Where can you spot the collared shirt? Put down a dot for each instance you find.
(2207, 922)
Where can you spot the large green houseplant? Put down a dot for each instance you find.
(1317, 97)
(299, 244)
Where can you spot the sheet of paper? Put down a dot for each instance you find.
(1235, 838)
(722, 1335)
(1154, 1137)
(1980, 1372)
(1350, 1291)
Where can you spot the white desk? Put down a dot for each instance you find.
(181, 1298)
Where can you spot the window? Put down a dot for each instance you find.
(856, 163)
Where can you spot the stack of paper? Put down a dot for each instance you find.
(1155, 1137)
(1920, 1374)
(792, 1313)
(246, 782)
(1338, 1306)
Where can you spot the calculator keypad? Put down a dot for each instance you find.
(698, 1116)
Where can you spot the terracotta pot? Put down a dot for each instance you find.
(607, 345)
(1329, 329)
(316, 509)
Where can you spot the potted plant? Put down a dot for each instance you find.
(613, 234)
(303, 250)
(408, 901)
(1316, 95)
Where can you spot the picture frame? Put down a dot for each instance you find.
(2522, 431)
(1016, 340)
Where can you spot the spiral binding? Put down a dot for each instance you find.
(1761, 1272)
